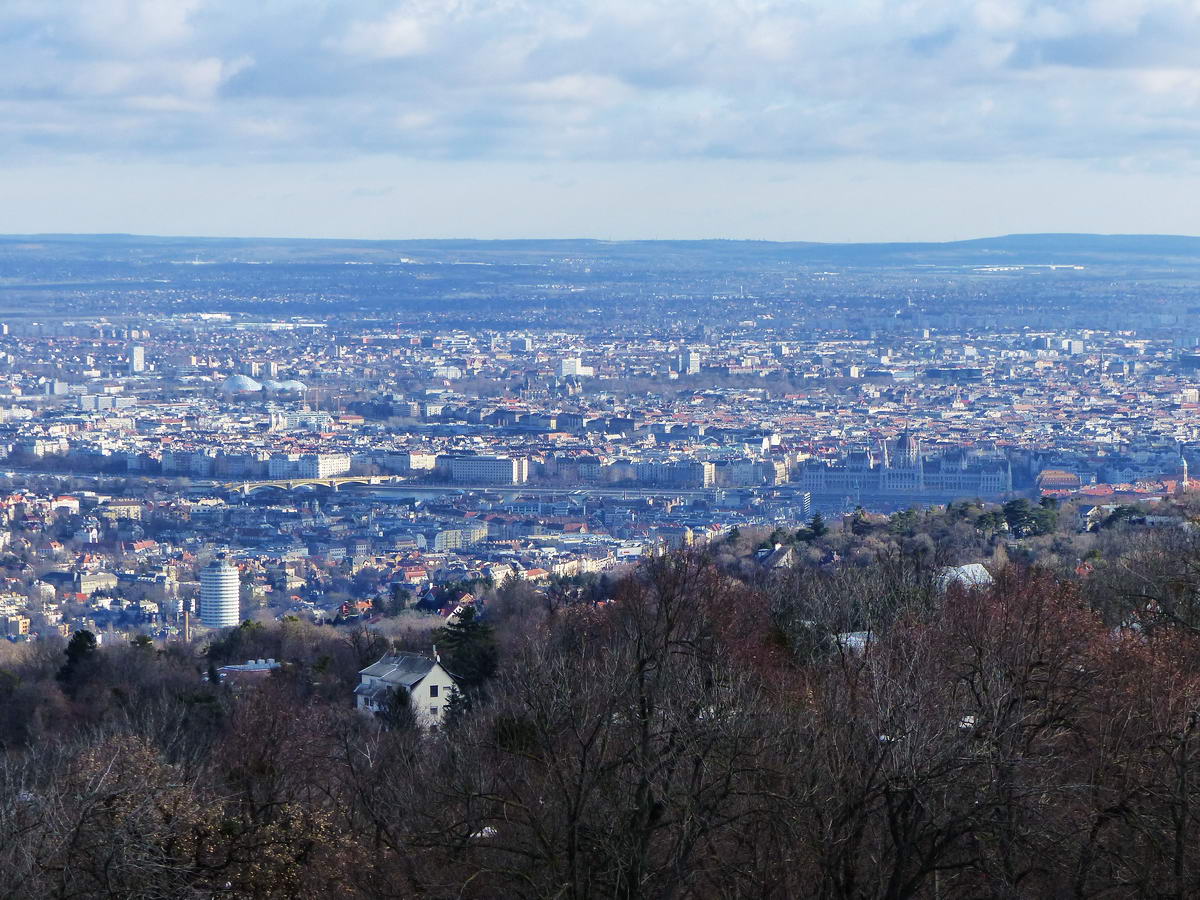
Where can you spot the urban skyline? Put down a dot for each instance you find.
(559, 449)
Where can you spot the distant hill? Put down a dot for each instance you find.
(1058, 280)
(1017, 249)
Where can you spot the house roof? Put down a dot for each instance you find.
(405, 669)
(776, 558)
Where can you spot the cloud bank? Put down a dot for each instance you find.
(231, 81)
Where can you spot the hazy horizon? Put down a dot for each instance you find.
(522, 201)
(574, 238)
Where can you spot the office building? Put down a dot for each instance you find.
(324, 465)
(573, 366)
(219, 594)
(487, 469)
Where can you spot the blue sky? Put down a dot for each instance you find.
(852, 120)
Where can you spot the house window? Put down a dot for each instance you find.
(433, 690)
(433, 710)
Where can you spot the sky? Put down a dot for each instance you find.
(838, 120)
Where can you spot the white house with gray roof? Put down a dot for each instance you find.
(429, 686)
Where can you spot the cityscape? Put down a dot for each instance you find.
(564, 450)
(336, 457)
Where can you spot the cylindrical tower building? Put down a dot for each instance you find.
(219, 594)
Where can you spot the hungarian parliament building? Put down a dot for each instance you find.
(901, 468)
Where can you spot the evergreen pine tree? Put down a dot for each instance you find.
(396, 712)
(818, 527)
(468, 649)
(81, 656)
(457, 706)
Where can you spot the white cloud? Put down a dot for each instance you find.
(584, 79)
(132, 26)
(586, 90)
(396, 36)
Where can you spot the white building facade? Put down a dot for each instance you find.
(220, 594)
(487, 469)
(428, 685)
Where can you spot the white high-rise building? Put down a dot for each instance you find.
(137, 359)
(689, 362)
(220, 588)
(573, 365)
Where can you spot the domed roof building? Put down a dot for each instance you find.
(293, 385)
(272, 386)
(239, 384)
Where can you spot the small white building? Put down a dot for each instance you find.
(429, 686)
(972, 575)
